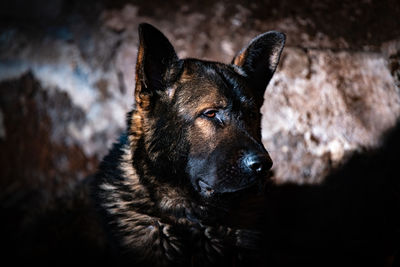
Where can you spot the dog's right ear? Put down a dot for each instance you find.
(155, 56)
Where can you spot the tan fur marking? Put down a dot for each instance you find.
(139, 64)
(209, 100)
(136, 128)
(186, 76)
(240, 59)
(207, 131)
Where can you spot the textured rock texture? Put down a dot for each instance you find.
(322, 105)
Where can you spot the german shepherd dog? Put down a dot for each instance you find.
(172, 191)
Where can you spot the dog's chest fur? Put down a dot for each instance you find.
(151, 226)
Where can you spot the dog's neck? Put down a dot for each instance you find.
(167, 202)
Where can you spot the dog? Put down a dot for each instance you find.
(176, 189)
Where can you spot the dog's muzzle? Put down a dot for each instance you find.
(249, 169)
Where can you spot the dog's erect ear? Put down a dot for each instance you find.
(155, 56)
(260, 58)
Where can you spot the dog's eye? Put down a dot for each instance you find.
(210, 113)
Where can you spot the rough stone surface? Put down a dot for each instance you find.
(321, 105)
(39, 161)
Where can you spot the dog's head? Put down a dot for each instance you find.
(200, 119)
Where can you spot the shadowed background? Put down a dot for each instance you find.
(67, 80)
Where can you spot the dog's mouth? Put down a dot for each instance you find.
(207, 190)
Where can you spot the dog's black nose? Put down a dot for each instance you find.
(257, 163)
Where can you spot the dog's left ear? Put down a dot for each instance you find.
(260, 58)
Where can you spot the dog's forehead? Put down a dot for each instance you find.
(210, 84)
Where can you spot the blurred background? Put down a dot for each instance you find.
(67, 81)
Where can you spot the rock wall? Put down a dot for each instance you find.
(67, 79)
(323, 105)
